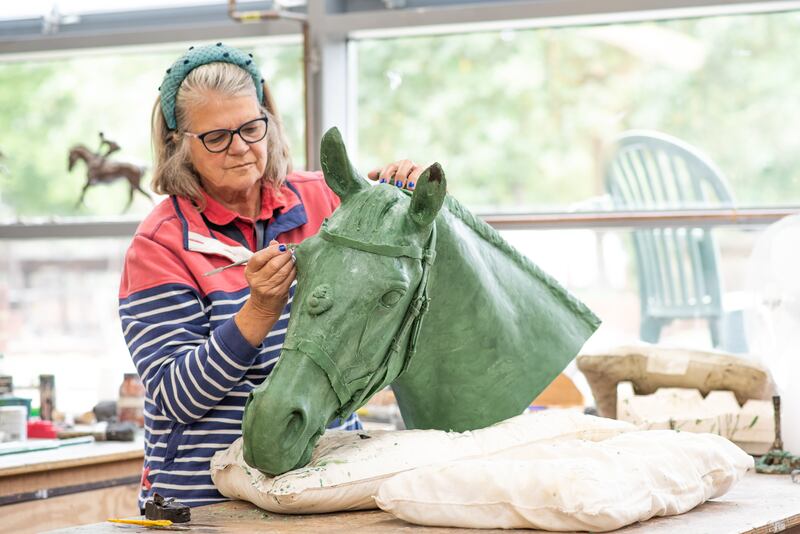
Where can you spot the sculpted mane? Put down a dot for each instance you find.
(492, 236)
(373, 225)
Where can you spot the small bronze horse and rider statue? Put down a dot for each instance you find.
(102, 170)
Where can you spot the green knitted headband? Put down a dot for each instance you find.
(192, 59)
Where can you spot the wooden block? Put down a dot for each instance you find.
(561, 393)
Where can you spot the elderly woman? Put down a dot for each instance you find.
(202, 343)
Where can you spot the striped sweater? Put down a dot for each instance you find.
(195, 365)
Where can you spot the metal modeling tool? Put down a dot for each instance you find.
(289, 246)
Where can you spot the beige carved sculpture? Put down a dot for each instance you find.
(649, 367)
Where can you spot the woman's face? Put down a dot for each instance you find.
(236, 172)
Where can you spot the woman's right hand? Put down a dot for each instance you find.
(269, 274)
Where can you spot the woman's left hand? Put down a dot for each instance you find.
(404, 173)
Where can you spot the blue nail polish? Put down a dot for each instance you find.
(282, 248)
(398, 183)
(411, 185)
(383, 180)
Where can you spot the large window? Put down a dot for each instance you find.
(521, 119)
(49, 106)
(58, 315)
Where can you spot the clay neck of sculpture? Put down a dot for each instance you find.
(496, 286)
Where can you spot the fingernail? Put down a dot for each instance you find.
(282, 248)
(383, 180)
(411, 185)
(398, 183)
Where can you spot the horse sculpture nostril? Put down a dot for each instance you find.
(296, 424)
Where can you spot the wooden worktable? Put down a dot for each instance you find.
(70, 485)
(759, 504)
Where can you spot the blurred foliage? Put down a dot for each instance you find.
(521, 120)
(49, 106)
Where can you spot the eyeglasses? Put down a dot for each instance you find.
(217, 141)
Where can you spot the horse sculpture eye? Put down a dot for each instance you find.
(390, 298)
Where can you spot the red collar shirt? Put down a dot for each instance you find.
(194, 362)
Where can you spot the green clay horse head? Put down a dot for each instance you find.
(412, 290)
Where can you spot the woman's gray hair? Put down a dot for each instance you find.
(173, 173)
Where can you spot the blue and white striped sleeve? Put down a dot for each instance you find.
(186, 368)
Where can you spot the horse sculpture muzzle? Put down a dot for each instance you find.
(286, 427)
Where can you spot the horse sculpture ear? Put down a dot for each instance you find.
(428, 196)
(339, 173)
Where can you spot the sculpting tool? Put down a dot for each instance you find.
(143, 522)
(289, 246)
(220, 269)
(161, 524)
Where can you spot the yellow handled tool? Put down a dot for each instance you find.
(143, 522)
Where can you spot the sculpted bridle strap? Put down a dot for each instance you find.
(410, 326)
(393, 251)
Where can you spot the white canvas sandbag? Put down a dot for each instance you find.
(573, 485)
(347, 467)
(548, 425)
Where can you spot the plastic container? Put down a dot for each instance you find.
(11, 400)
(42, 429)
(13, 423)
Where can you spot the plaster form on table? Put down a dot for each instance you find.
(751, 426)
(650, 367)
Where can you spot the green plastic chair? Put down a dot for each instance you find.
(678, 273)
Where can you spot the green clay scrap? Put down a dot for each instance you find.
(778, 462)
(412, 290)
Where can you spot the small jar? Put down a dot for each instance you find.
(47, 397)
(130, 406)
